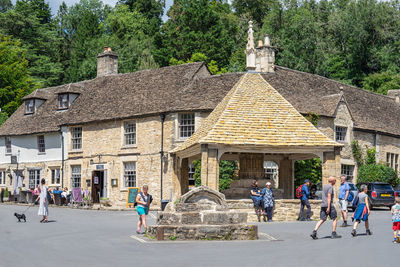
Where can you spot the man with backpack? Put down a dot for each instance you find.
(344, 191)
(303, 193)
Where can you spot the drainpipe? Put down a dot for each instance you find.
(162, 116)
(62, 160)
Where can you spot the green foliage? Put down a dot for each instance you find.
(5, 5)
(357, 153)
(370, 156)
(3, 117)
(198, 57)
(381, 82)
(377, 173)
(227, 172)
(313, 118)
(310, 169)
(6, 192)
(15, 81)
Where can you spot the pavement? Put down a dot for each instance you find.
(75, 237)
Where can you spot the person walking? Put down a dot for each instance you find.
(327, 209)
(396, 220)
(43, 201)
(304, 201)
(344, 191)
(268, 201)
(143, 200)
(362, 211)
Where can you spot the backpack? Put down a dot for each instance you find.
(355, 202)
(149, 199)
(350, 197)
(299, 191)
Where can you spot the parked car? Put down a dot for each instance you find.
(354, 191)
(397, 190)
(379, 194)
(317, 193)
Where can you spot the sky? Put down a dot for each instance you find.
(54, 4)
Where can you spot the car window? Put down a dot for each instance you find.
(352, 187)
(383, 187)
(319, 187)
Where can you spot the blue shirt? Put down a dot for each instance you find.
(57, 192)
(342, 190)
(305, 191)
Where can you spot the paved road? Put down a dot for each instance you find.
(103, 238)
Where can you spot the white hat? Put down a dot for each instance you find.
(268, 183)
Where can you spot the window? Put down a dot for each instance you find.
(347, 171)
(75, 176)
(55, 176)
(2, 178)
(271, 171)
(30, 106)
(41, 144)
(392, 160)
(130, 133)
(192, 170)
(63, 101)
(8, 145)
(130, 174)
(76, 138)
(186, 125)
(340, 133)
(34, 178)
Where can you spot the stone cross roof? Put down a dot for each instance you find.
(254, 113)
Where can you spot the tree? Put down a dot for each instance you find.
(369, 173)
(255, 10)
(382, 82)
(5, 5)
(194, 26)
(152, 10)
(199, 57)
(227, 172)
(15, 81)
(310, 169)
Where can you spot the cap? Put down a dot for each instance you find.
(306, 181)
(268, 183)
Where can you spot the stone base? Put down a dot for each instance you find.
(203, 232)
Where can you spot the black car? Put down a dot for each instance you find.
(379, 194)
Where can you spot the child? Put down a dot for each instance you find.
(396, 219)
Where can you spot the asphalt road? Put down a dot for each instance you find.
(103, 238)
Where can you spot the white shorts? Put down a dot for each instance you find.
(343, 204)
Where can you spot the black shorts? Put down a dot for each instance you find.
(332, 213)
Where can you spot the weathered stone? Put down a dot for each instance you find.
(165, 218)
(204, 194)
(191, 218)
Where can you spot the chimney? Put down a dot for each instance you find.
(107, 62)
(265, 56)
(395, 94)
(250, 51)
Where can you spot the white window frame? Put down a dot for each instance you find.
(392, 160)
(130, 175)
(185, 126)
(76, 138)
(55, 176)
(2, 177)
(130, 136)
(8, 145)
(192, 171)
(271, 170)
(348, 171)
(76, 176)
(41, 144)
(29, 106)
(34, 176)
(63, 101)
(340, 134)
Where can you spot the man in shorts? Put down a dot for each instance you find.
(327, 209)
(344, 191)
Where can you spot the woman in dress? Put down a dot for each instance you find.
(143, 200)
(268, 201)
(43, 202)
(362, 211)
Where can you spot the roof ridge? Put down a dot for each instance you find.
(339, 82)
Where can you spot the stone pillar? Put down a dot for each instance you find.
(286, 178)
(184, 173)
(209, 167)
(176, 180)
(331, 167)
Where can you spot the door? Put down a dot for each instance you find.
(97, 186)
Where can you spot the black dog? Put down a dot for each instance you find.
(20, 217)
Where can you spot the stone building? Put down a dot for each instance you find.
(123, 130)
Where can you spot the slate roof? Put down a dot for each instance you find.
(253, 113)
(190, 87)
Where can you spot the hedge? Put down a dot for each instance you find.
(377, 173)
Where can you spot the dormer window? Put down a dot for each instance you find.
(29, 106)
(63, 101)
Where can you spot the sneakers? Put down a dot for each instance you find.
(344, 224)
(308, 219)
(368, 232)
(335, 235)
(301, 219)
(314, 235)
(353, 233)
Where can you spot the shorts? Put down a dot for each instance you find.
(396, 226)
(141, 210)
(332, 213)
(343, 204)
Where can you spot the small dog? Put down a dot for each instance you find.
(20, 217)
